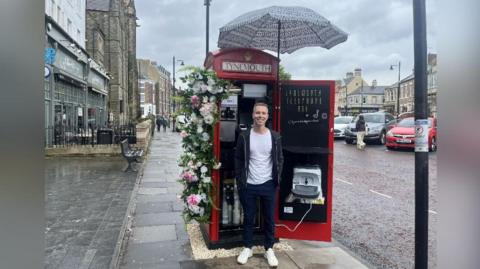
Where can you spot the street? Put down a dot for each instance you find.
(374, 205)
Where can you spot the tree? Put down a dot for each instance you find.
(284, 75)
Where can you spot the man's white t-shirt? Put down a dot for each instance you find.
(260, 165)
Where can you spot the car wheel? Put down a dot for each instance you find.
(382, 138)
(348, 141)
(389, 148)
(433, 145)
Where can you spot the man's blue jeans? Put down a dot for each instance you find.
(248, 197)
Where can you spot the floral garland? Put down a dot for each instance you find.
(199, 113)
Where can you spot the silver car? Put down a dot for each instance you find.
(378, 123)
(340, 123)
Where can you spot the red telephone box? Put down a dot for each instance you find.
(302, 111)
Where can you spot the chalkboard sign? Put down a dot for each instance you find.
(304, 117)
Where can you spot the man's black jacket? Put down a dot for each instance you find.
(242, 158)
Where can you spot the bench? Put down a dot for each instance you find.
(130, 154)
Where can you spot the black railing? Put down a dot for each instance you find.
(64, 136)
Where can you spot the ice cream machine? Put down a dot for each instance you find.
(302, 111)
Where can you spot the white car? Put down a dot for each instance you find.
(340, 123)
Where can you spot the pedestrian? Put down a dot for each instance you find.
(164, 123)
(158, 121)
(173, 123)
(258, 165)
(360, 126)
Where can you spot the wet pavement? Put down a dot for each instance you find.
(85, 203)
(158, 237)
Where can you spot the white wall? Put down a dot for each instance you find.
(70, 15)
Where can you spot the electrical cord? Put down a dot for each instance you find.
(298, 224)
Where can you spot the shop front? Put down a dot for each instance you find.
(302, 111)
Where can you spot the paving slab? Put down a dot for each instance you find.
(256, 261)
(153, 234)
(152, 191)
(158, 219)
(153, 207)
(331, 258)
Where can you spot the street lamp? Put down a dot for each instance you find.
(398, 86)
(173, 81)
(206, 3)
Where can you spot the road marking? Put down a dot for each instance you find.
(384, 195)
(346, 182)
(433, 212)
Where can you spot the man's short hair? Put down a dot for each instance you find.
(259, 104)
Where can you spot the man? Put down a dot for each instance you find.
(258, 166)
(158, 121)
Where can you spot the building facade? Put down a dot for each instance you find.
(150, 70)
(407, 91)
(366, 99)
(70, 16)
(344, 87)
(147, 97)
(75, 86)
(111, 33)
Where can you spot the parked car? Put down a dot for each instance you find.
(378, 123)
(340, 124)
(403, 134)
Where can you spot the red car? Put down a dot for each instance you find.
(403, 134)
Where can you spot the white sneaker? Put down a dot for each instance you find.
(244, 255)
(270, 256)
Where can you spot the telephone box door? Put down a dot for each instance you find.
(305, 192)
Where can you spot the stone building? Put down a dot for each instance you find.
(407, 91)
(351, 82)
(366, 99)
(150, 70)
(111, 40)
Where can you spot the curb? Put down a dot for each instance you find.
(128, 219)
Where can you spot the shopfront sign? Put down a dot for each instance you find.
(246, 67)
(96, 80)
(68, 64)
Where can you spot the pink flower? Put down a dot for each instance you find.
(183, 134)
(189, 176)
(194, 199)
(195, 100)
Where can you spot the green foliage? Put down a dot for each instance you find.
(284, 75)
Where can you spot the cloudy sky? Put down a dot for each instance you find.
(380, 34)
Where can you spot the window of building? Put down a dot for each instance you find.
(69, 27)
(364, 99)
(142, 97)
(59, 15)
(79, 36)
(374, 99)
(52, 8)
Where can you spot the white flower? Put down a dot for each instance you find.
(204, 196)
(204, 88)
(199, 130)
(204, 169)
(209, 119)
(199, 164)
(205, 137)
(198, 86)
(213, 90)
(213, 98)
(198, 76)
(207, 180)
(210, 82)
(201, 211)
(205, 99)
(217, 166)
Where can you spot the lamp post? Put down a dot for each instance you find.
(174, 91)
(361, 98)
(398, 86)
(346, 101)
(207, 5)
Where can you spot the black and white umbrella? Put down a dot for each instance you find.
(280, 29)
